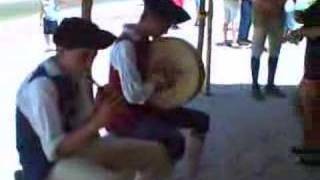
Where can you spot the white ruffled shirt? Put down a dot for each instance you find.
(124, 59)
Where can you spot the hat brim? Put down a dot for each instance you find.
(103, 39)
(180, 15)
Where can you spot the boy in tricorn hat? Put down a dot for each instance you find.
(126, 74)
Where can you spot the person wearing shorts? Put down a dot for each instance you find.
(49, 20)
(231, 8)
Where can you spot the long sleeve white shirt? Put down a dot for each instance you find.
(124, 60)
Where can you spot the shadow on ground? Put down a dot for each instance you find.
(250, 140)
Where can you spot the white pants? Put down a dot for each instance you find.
(116, 159)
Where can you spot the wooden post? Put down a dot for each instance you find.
(202, 16)
(86, 8)
(209, 48)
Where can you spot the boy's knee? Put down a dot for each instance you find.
(175, 146)
(202, 124)
(77, 169)
(159, 162)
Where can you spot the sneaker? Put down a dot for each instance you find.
(229, 44)
(244, 42)
(273, 90)
(248, 41)
(257, 93)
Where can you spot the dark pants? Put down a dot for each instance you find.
(245, 21)
(32, 158)
(49, 27)
(164, 127)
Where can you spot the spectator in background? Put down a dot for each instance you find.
(198, 12)
(269, 19)
(49, 20)
(245, 22)
(231, 8)
(291, 23)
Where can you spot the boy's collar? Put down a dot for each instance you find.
(133, 31)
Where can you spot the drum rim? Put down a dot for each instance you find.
(199, 63)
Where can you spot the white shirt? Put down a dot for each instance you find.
(51, 9)
(38, 101)
(124, 59)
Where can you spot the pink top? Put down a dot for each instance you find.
(179, 2)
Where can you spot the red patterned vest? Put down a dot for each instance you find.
(122, 124)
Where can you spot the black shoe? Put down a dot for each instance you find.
(244, 42)
(228, 43)
(299, 150)
(309, 161)
(273, 90)
(248, 41)
(257, 93)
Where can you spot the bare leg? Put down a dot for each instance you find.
(275, 41)
(259, 38)
(195, 145)
(234, 32)
(47, 40)
(225, 32)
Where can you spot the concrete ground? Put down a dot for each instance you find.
(251, 140)
(248, 141)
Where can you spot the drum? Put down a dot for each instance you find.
(179, 63)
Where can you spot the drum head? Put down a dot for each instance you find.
(181, 66)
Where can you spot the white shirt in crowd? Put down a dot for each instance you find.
(51, 9)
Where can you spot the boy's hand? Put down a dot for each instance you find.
(108, 102)
(294, 36)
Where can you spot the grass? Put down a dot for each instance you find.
(21, 9)
(18, 9)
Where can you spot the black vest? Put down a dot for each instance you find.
(32, 158)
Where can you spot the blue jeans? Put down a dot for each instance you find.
(49, 27)
(198, 4)
(245, 21)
